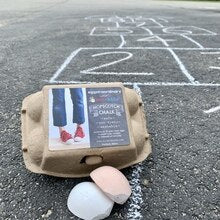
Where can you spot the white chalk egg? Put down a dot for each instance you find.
(88, 202)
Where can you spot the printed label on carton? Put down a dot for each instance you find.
(87, 118)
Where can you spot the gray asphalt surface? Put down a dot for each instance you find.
(181, 178)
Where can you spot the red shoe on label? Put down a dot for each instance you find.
(79, 134)
(65, 137)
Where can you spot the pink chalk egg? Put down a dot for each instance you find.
(112, 182)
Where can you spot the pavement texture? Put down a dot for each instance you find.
(180, 180)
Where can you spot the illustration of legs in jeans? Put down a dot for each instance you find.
(59, 113)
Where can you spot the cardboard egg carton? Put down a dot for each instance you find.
(122, 147)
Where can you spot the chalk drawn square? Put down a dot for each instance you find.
(203, 65)
(133, 65)
(181, 30)
(173, 41)
(117, 31)
(150, 31)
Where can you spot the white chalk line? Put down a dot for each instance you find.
(211, 32)
(162, 19)
(192, 40)
(116, 73)
(137, 89)
(141, 24)
(148, 30)
(164, 42)
(187, 32)
(182, 67)
(155, 38)
(65, 64)
(214, 52)
(136, 199)
(212, 110)
(129, 55)
(149, 48)
(149, 38)
(168, 84)
(156, 22)
(144, 34)
(115, 29)
(120, 18)
(117, 24)
(123, 42)
(92, 31)
(131, 18)
(214, 67)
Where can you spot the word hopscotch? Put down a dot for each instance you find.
(146, 40)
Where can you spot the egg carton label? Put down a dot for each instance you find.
(107, 117)
(87, 118)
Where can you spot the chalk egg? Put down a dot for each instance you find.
(88, 202)
(112, 182)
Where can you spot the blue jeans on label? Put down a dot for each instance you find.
(59, 107)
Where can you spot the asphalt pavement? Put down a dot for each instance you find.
(168, 51)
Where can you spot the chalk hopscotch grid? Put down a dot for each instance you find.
(122, 45)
